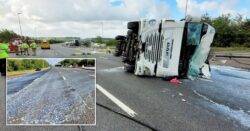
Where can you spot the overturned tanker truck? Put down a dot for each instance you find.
(167, 48)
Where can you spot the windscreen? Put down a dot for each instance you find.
(191, 39)
(197, 64)
(194, 33)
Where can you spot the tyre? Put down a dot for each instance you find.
(129, 33)
(129, 68)
(118, 50)
(120, 37)
(117, 54)
(134, 25)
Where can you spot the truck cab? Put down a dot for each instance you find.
(166, 48)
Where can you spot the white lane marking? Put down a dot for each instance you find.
(63, 78)
(116, 101)
(115, 69)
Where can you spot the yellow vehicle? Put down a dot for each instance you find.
(45, 45)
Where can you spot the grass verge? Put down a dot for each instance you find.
(231, 49)
(20, 73)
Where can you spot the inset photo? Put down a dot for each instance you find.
(51, 91)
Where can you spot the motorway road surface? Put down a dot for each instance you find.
(2, 101)
(16, 84)
(160, 105)
(57, 96)
(62, 51)
(128, 102)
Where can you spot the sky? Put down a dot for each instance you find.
(87, 18)
(53, 61)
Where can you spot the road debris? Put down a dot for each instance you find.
(183, 100)
(180, 94)
(223, 61)
(53, 100)
(175, 81)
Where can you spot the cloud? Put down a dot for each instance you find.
(77, 18)
(83, 17)
(213, 7)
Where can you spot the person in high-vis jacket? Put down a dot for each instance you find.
(33, 46)
(25, 48)
(21, 48)
(4, 53)
(4, 50)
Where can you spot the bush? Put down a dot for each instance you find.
(230, 31)
(26, 64)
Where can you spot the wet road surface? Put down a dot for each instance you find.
(60, 96)
(160, 105)
(228, 92)
(2, 100)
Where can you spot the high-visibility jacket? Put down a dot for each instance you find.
(25, 46)
(4, 50)
(33, 45)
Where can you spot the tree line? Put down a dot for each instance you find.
(77, 62)
(26, 64)
(107, 41)
(7, 35)
(230, 31)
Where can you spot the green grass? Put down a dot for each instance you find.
(231, 49)
(20, 73)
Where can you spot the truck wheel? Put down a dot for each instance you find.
(120, 37)
(118, 50)
(133, 26)
(129, 68)
(129, 33)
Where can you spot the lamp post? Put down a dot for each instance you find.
(102, 31)
(102, 28)
(35, 32)
(19, 13)
(186, 9)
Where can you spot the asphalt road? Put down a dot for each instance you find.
(2, 101)
(145, 103)
(62, 51)
(58, 96)
(16, 84)
(164, 106)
